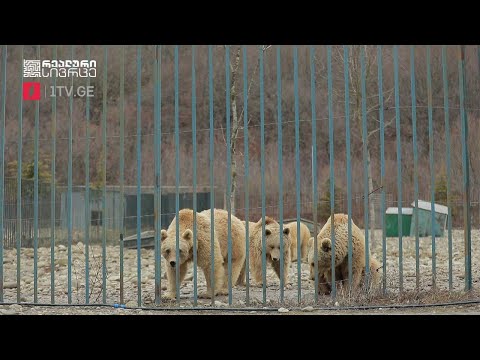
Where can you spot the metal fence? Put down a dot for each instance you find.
(326, 129)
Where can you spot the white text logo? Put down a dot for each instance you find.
(59, 68)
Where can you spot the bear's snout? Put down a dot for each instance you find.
(275, 255)
(172, 263)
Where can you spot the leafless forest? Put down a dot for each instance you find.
(472, 64)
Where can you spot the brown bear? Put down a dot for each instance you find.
(204, 260)
(238, 243)
(324, 246)
(325, 279)
(304, 237)
(168, 249)
(272, 240)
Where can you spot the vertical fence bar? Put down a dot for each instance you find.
(194, 142)
(382, 164)
(87, 191)
(35, 198)
(466, 170)
(53, 187)
(297, 170)
(262, 166)
(19, 176)
(280, 169)
(122, 166)
(160, 156)
(212, 178)
(69, 188)
(366, 165)
(157, 216)
(229, 172)
(212, 158)
(478, 63)
(432, 166)
(314, 165)
(2, 159)
(158, 174)
(399, 165)
(349, 175)
(139, 174)
(104, 174)
(415, 164)
(332, 167)
(177, 181)
(448, 159)
(247, 173)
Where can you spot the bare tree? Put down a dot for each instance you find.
(355, 77)
(236, 118)
(235, 126)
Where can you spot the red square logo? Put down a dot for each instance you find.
(31, 91)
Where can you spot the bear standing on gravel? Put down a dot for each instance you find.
(324, 274)
(204, 260)
(272, 239)
(325, 279)
(324, 246)
(238, 243)
(185, 220)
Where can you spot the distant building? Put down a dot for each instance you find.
(112, 217)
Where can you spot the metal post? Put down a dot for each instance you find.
(139, 174)
(332, 166)
(447, 141)
(415, 164)
(247, 173)
(382, 165)
(399, 164)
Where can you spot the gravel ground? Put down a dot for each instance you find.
(410, 295)
(473, 309)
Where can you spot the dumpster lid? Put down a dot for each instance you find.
(426, 205)
(394, 210)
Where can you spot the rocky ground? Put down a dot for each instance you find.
(15, 309)
(424, 294)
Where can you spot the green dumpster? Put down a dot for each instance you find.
(391, 221)
(425, 219)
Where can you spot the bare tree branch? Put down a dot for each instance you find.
(378, 129)
(249, 87)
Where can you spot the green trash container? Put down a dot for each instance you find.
(425, 219)
(391, 221)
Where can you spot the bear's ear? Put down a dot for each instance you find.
(326, 245)
(286, 231)
(164, 234)
(267, 232)
(187, 234)
(268, 220)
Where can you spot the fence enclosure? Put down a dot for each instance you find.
(260, 131)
